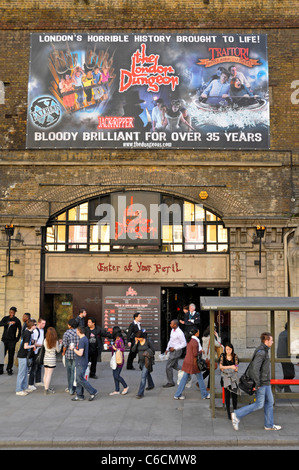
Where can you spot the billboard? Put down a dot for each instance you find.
(148, 91)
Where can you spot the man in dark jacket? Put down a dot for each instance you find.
(134, 327)
(259, 371)
(94, 334)
(11, 335)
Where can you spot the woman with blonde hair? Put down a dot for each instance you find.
(52, 347)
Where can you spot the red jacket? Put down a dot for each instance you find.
(190, 363)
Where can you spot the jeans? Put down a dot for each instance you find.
(118, 379)
(70, 370)
(264, 399)
(22, 378)
(183, 382)
(82, 382)
(145, 375)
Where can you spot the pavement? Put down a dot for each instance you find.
(122, 421)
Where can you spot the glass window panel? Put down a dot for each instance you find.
(188, 211)
(222, 234)
(222, 248)
(77, 237)
(211, 233)
(56, 234)
(79, 213)
(211, 247)
(199, 213)
(62, 216)
(210, 217)
(167, 234)
(194, 237)
(177, 234)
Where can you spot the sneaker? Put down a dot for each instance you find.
(179, 398)
(29, 390)
(76, 398)
(22, 394)
(114, 393)
(67, 390)
(32, 388)
(275, 427)
(92, 396)
(207, 397)
(168, 385)
(51, 390)
(235, 421)
(39, 384)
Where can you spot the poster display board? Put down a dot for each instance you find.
(148, 91)
(121, 302)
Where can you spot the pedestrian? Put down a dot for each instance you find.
(25, 318)
(118, 345)
(38, 336)
(11, 335)
(145, 349)
(70, 338)
(288, 368)
(206, 351)
(190, 366)
(134, 327)
(81, 353)
(259, 371)
(52, 347)
(80, 319)
(94, 334)
(25, 346)
(175, 347)
(228, 365)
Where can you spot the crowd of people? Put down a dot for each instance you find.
(82, 345)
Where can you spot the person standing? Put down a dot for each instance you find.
(70, 338)
(288, 368)
(175, 347)
(259, 371)
(190, 366)
(81, 353)
(228, 364)
(26, 345)
(192, 319)
(52, 347)
(38, 336)
(11, 335)
(80, 319)
(94, 334)
(134, 327)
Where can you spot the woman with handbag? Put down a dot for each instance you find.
(190, 365)
(145, 349)
(118, 349)
(228, 364)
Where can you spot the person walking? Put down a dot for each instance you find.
(145, 349)
(25, 346)
(52, 347)
(81, 352)
(10, 337)
(190, 366)
(118, 345)
(70, 338)
(134, 327)
(175, 347)
(259, 371)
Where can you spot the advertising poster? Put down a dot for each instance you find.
(148, 91)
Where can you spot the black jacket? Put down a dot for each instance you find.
(259, 368)
(133, 329)
(99, 333)
(11, 332)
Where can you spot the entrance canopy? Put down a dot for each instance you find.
(249, 303)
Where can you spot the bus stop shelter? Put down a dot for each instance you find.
(272, 304)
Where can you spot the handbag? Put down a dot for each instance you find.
(40, 355)
(119, 357)
(113, 364)
(201, 363)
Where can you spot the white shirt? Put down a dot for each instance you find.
(177, 339)
(40, 339)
